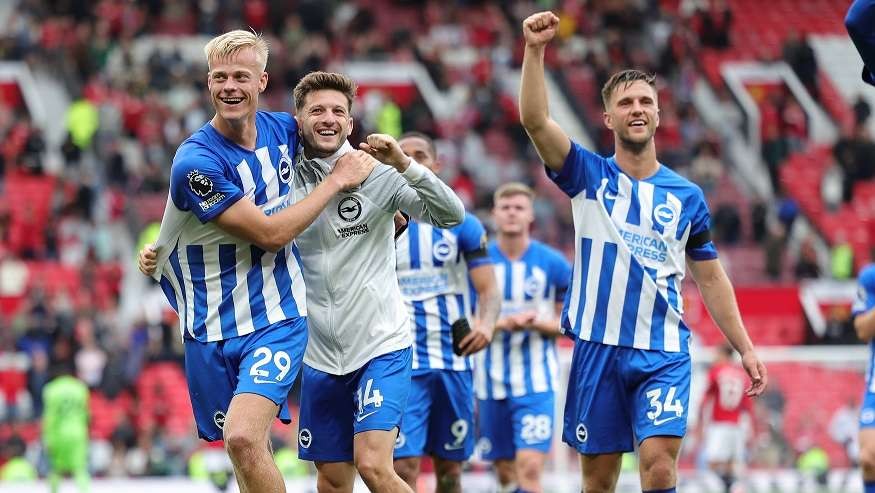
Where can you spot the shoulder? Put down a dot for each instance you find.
(678, 184)
(469, 223)
(866, 278)
(278, 118)
(548, 253)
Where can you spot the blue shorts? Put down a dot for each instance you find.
(265, 362)
(530, 417)
(439, 419)
(867, 409)
(336, 407)
(619, 394)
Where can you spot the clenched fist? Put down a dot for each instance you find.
(386, 149)
(539, 29)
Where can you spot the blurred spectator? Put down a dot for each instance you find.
(807, 266)
(841, 258)
(776, 240)
(799, 54)
(82, 122)
(862, 111)
(16, 469)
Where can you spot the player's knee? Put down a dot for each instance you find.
(373, 469)
(659, 472)
(327, 483)
(528, 470)
(505, 472)
(240, 445)
(448, 475)
(408, 469)
(867, 459)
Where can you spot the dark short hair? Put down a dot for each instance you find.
(625, 78)
(414, 134)
(317, 81)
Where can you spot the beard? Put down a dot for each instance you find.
(313, 148)
(633, 145)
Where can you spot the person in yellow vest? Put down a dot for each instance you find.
(17, 469)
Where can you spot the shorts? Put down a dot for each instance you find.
(867, 410)
(724, 442)
(620, 394)
(68, 456)
(336, 407)
(439, 419)
(529, 419)
(265, 362)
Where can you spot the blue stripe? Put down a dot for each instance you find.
(599, 319)
(228, 276)
(585, 256)
(169, 293)
(436, 236)
(505, 378)
(634, 214)
(673, 291)
(421, 334)
(526, 276)
(198, 272)
(297, 255)
(657, 324)
(460, 303)
(284, 284)
(180, 281)
(487, 368)
(508, 280)
(549, 347)
(413, 242)
(260, 187)
(446, 337)
(527, 362)
(629, 318)
(255, 283)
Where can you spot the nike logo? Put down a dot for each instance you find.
(360, 417)
(261, 380)
(447, 446)
(610, 196)
(658, 422)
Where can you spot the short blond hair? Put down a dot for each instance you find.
(513, 188)
(230, 43)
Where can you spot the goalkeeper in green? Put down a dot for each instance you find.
(65, 429)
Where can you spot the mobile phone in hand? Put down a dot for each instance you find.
(461, 328)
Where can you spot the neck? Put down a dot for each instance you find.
(636, 160)
(311, 153)
(242, 132)
(513, 245)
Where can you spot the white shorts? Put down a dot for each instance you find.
(724, 442)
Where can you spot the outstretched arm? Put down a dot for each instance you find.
(551, 142)
(720, 300)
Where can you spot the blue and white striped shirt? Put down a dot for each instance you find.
(432, 268)
(523, 362)
(222, 286)
(631, 240)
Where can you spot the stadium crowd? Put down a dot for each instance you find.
(132, 109)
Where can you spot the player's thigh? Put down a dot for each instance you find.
(373, 449)
(532, 418)
(867, 447)
(382, 390)
(597, 419)
(414, 426)
(335, 477)
(451, 427)
(661, 392)
(326, 417)
(495, 429)
(249, 417)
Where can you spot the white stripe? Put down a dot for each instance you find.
(268, 173)
(480, 374)
(517, 283)
(426, 258)
(413, 347)
(515, 362)
(576, 279)
(552, 364)
(593, 277)
(246, 179)
(672, 332)
(496, 369)
(645, 313)
(189, 289)
(539, 366)
(299, 289)
(645, 199)
(271, 292)
(624, 200)
(433, 334)
(242, 308)
(213, 282)
(168, 273)
(617, 296)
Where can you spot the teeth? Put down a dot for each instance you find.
(327, 132)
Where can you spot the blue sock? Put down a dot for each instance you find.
(869, 486)
(668, 490)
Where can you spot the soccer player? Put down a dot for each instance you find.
(436, 269)
(225, 260)
(357, 366)
(860, 23)
(637, 224)
(863, 312)
(516, 376)
(65, 428)
(723, 407)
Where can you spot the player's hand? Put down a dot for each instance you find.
(386, 150)
(477, 339)
(352, 169)
(147, 259)
(400, 222)
(756, 370)
(539, 29)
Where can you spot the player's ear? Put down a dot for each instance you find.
(262, 82)
(607, 119)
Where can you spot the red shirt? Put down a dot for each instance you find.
(726, 384)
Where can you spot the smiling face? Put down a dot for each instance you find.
(234, 82)
(633, 114)
(324, 121)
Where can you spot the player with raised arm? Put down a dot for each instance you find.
(517, 375)
(638, 226)
(724, 406)
(436, 269)
(225, 261)
(860, 23)
(357, 367)
(863, 312)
